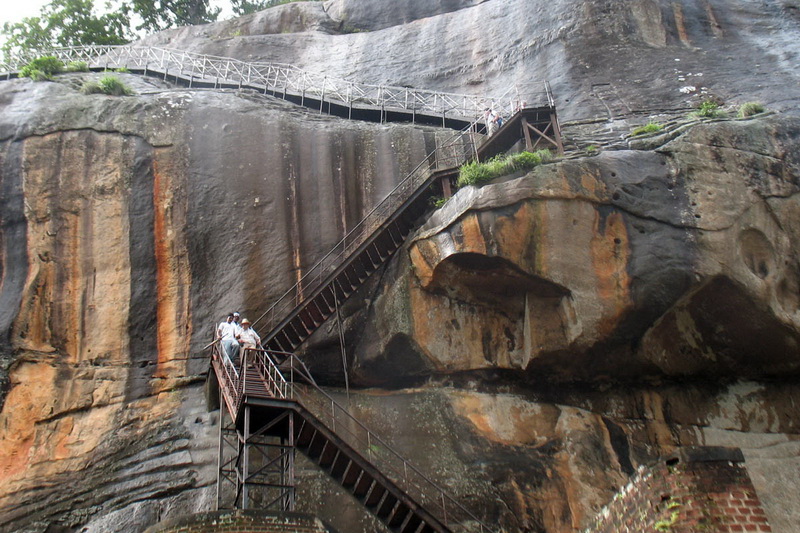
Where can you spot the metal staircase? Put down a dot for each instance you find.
(266, 417)
(301, 310)
(270, 416)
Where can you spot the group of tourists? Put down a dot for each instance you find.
(235, 335)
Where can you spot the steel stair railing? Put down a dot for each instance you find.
(280, 78)
(301, 388)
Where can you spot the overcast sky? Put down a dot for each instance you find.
(16, 10)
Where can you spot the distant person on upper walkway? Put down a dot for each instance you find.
(493, 121)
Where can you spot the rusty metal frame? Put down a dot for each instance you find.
(256, 469)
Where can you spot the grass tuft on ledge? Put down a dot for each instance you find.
(475, 173)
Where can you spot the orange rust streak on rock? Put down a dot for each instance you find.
(679, 23)
(173, 276)
(473, 238)
(610, 254)
(716, 28)
(421, 266)
(28, 401)
(513, 233)
(163, 275)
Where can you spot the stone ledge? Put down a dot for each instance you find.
(242, 521)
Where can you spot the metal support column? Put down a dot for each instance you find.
(257, 462)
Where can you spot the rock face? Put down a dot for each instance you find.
(534, 342)
(672, 262)
(129, 225)
(602, 57)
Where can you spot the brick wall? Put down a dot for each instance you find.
(697, 490)
(241, 522)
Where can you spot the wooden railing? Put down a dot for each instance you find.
(283, 78)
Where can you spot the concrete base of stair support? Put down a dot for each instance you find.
(249, 521)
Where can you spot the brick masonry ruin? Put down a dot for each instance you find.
(696, 489)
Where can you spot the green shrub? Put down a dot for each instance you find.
(110, 85)
(437, 201)
(591, 149)
(748, 109)
(77, 66)
(122, 70)
(38, 75)
(475, 173)
(709, 109)
(650, 127)
(113, 86)
(42, 68)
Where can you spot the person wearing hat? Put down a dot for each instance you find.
(248, 338)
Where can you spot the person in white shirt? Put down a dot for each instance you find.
(248, 338)
(236, 323)
(226, 333)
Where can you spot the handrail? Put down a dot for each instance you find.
(357, 435)
(454, 152)
(281, 78)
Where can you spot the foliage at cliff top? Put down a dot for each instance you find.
(42, 68)
(748, 109)
(475, 173)
(65, 23)
(82, 22)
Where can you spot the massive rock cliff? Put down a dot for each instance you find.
(533, 342)
(602, 57)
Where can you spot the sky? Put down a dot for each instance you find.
(16, 10)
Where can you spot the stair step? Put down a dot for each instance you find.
(328, 454)
(399, 515)
(386, 506)
(363, 485)
(316, 445)
(412, 524)
(375, 495)
(351, 475)
(305, 436)
(339, 467)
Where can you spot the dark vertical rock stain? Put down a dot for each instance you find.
(142, 319)
(290, 164)
(13, 252)
(85, 253)
(619, 443)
